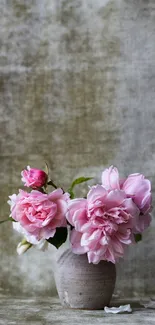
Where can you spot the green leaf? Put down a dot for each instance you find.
(76, 182)
(80, 180)
(71, 194)
(46, 168)
(59, 237)
(4, 221)
(138, 237)
(8, 219)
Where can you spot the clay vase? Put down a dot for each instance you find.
(84, 285)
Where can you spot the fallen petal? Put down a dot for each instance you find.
(116, 310)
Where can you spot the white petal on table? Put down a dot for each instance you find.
(117, 310)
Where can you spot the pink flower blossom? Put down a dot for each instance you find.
(110, 178)
(33, 177)
(137, 187)
(102, 224)
(40, 244)
(39, 214)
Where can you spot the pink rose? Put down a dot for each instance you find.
(33, 177)
(136, 187)
(103, 224)
(40, 214)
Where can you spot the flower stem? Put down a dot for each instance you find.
(50, 182)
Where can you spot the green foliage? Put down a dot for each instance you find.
(138, 237)
(46, 168)
(8, 219)
(59, 237)
(76, 182)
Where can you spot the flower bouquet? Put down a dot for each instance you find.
(101, 226)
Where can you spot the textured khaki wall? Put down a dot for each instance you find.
(77, 89)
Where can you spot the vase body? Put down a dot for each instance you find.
(84, 285)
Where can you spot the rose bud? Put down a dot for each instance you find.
(23, 247)
(33, 177)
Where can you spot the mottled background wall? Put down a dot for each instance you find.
(77, 89)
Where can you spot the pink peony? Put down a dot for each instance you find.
(33, 177)
(110, 178)
(103, 224)
(39, 214)
(139, 188)
(40, 244)
(136, 187)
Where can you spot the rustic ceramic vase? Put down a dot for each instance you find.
(82, 285)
